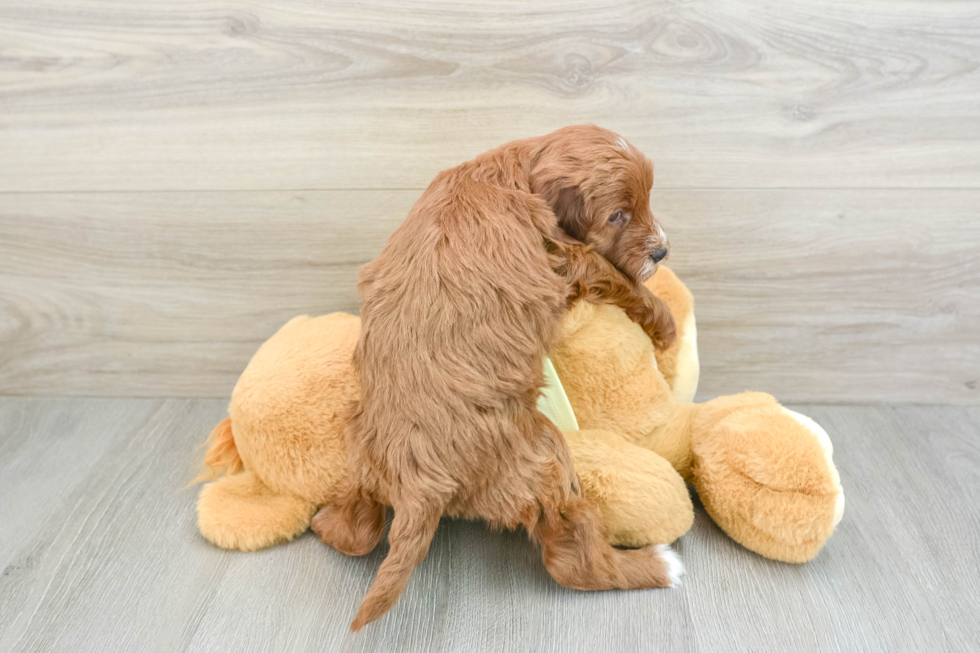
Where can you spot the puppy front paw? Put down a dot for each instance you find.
(660, 327)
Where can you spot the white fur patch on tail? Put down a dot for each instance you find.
(675, 568)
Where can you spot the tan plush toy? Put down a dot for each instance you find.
(764, 473)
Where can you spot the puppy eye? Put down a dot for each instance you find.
(619, 217)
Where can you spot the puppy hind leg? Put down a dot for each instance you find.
(353, 525)
(412, 530)
(577, 556)
(574, 551)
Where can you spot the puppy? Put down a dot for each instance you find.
(457, 313)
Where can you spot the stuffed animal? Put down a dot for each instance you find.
(764, 473)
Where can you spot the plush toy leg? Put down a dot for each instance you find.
(240, 512)
(766, 476)
(639, 498)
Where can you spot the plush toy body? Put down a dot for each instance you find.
(764, 473)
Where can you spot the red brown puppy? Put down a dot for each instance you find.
(458, 310)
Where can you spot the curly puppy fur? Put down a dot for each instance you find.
(457, 312)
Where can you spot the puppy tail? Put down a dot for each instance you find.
(411, 534)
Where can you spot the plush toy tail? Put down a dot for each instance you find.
(410, 536)
(222, 454)
(239, 511)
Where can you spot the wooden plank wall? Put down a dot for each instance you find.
(179, 178)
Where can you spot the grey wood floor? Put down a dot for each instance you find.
(99, 552)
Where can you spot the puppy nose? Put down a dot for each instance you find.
(658, 254)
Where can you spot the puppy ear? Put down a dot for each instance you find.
(569, 206)
(553, 180)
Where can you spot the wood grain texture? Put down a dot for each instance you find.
(171, 293)
(299, 94)
(100, 553)
(851, 296)
(843, 297)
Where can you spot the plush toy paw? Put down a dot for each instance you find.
(240, 512)
(766, 476)
(639, 497)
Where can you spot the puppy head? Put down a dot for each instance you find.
(599, 187)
